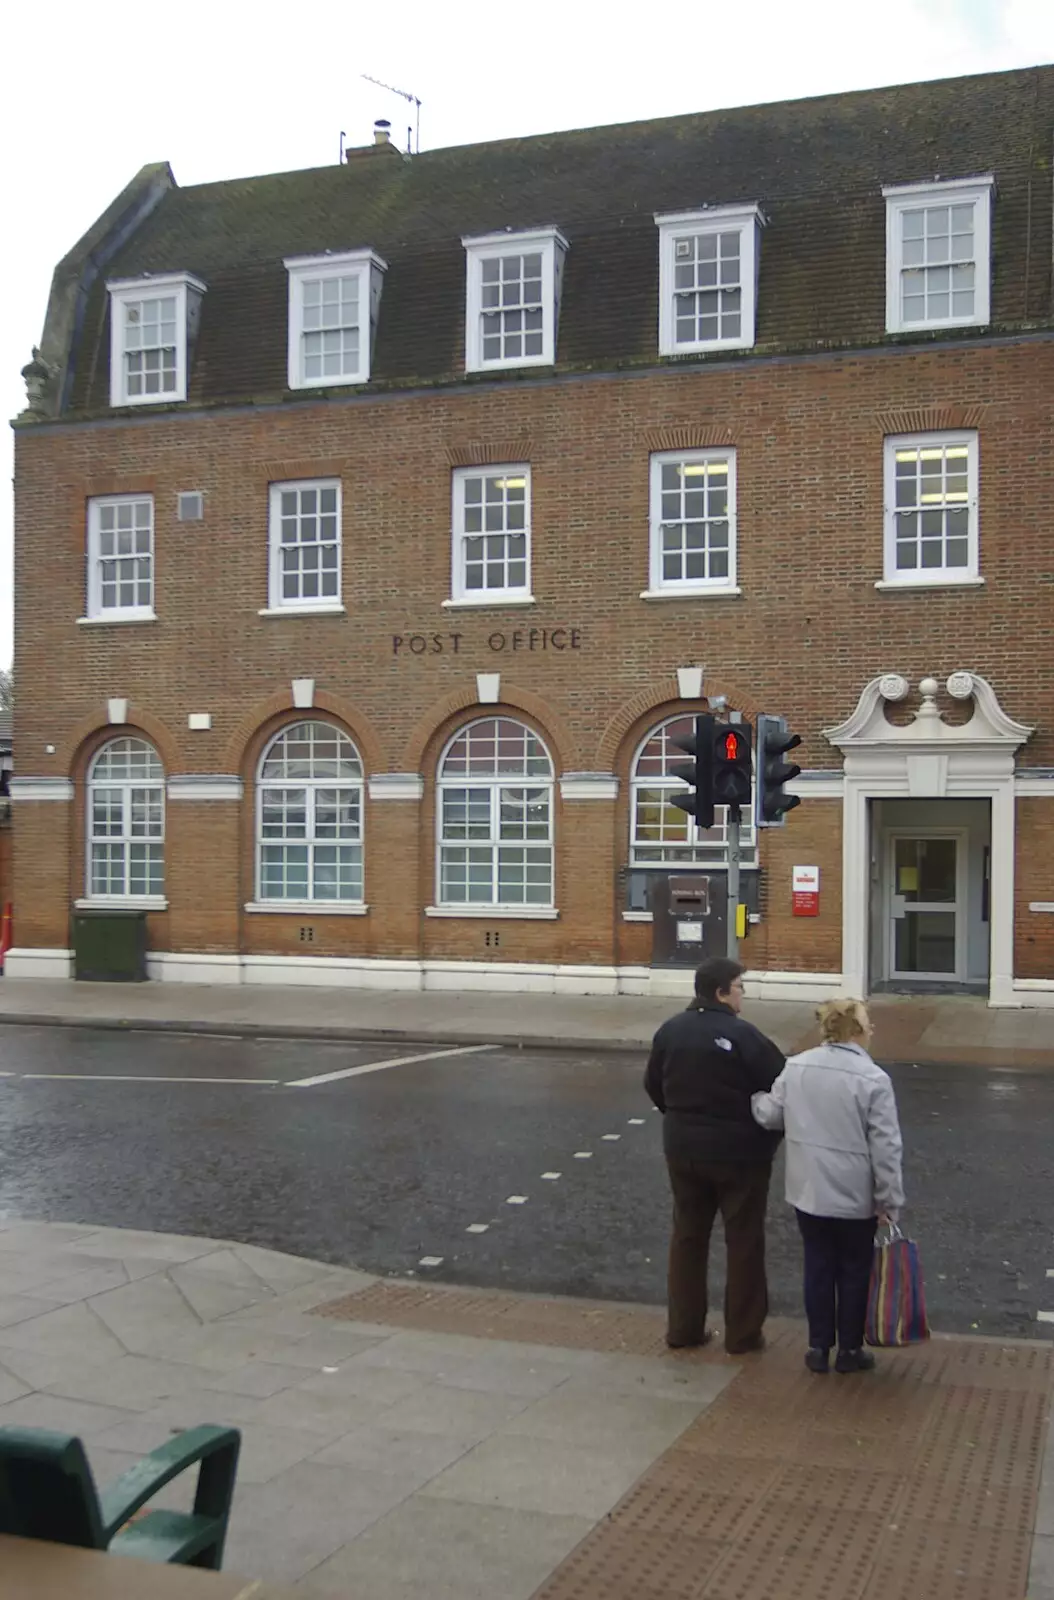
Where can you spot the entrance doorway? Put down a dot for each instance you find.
(930, 895)
(925, 920)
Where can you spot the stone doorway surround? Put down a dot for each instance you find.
(928, 759)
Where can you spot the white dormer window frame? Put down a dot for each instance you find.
(152, 323)
(519, 297)
(939, 247)
(716, 251)
(338, 296)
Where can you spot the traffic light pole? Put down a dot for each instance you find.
(732, 930)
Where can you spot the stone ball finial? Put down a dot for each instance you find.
(928, 688)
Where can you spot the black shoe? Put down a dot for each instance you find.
(757, 1343)
(854, 1361)
(817, 1360)
(688, 1344)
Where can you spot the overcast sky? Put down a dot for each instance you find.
(89, 94)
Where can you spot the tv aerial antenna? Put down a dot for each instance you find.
(403, 95)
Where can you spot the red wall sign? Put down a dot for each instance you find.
(805, 891)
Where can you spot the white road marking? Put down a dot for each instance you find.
(552, 1176)
(611, 1137)
(583, 1155)
(1050, 1272)
(430, 1261)
(382, 1066)
(139, 1077)
(477, 1227)
(516, 1200)
(636, 1122)
(1045, 1316)
(8, 1074)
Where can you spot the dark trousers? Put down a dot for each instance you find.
(739, 1190)
(838, 1254)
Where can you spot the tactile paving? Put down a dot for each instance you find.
(915, 1482)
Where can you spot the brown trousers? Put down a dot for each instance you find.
(739, 1190)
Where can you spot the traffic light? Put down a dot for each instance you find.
(732, 773)
(699, 803)
(774, 773)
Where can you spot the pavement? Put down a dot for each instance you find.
(401, 1438)
(922, 1030)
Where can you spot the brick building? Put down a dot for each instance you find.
(378, 525)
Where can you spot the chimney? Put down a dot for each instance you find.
(381, 135)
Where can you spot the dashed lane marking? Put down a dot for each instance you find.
(551, 1177)
(636, 1122)
(516, 1200)
(611, 1137)
(382, 1066)
(478, 1227)
(1045, 1316)
(430, 1261)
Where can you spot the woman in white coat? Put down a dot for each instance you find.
(839, 1113)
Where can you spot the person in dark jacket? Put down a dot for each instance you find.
(705, 1064)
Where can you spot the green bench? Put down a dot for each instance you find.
(47, 1492)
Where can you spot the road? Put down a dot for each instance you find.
(531, 1170)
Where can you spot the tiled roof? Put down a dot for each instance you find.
(816, 167)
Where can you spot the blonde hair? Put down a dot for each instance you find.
(843, 1020)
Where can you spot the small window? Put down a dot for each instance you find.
(126, 822)
(305, 546)
(931, 509)
(191, 506)
(492, 534)
(152, 325)
(661, 834)
(693, 522)
(121, 557)
(334, 302)
(309, 817)
(513, 284)
(938, 255)
(496, 818)
(708, 266)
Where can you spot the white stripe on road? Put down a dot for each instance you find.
(382, 1066)
(1045, 1316)
(138, 1077)
(1050, 1272)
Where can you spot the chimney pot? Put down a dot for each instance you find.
(381, 134)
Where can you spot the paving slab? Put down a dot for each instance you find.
(549, 1475)
(448, 1551)
(467, 1414)
(62, 1414)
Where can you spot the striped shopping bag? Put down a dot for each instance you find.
(896, 1300)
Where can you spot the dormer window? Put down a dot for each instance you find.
(153, 321)
(334, 301)
(938, 254)
(512, 299)
(708, 272)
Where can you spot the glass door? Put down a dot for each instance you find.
(926, 924)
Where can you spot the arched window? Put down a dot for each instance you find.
(126, 821)
(660, 833)
(496, 817)
(309, 817)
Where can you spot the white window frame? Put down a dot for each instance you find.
(658, 586)
(460, 593)
(551, 245)
(494, 783)
(187, 291)
(276, 602)
(931, 577)
(900, 198)
(96, 611)
(747, 221)
(369, 269)
(153, 899)
(706, 851)
(311, 786)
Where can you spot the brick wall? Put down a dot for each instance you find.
(807, 632)
(1034, 881)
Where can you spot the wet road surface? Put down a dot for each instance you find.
(529, 1170)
